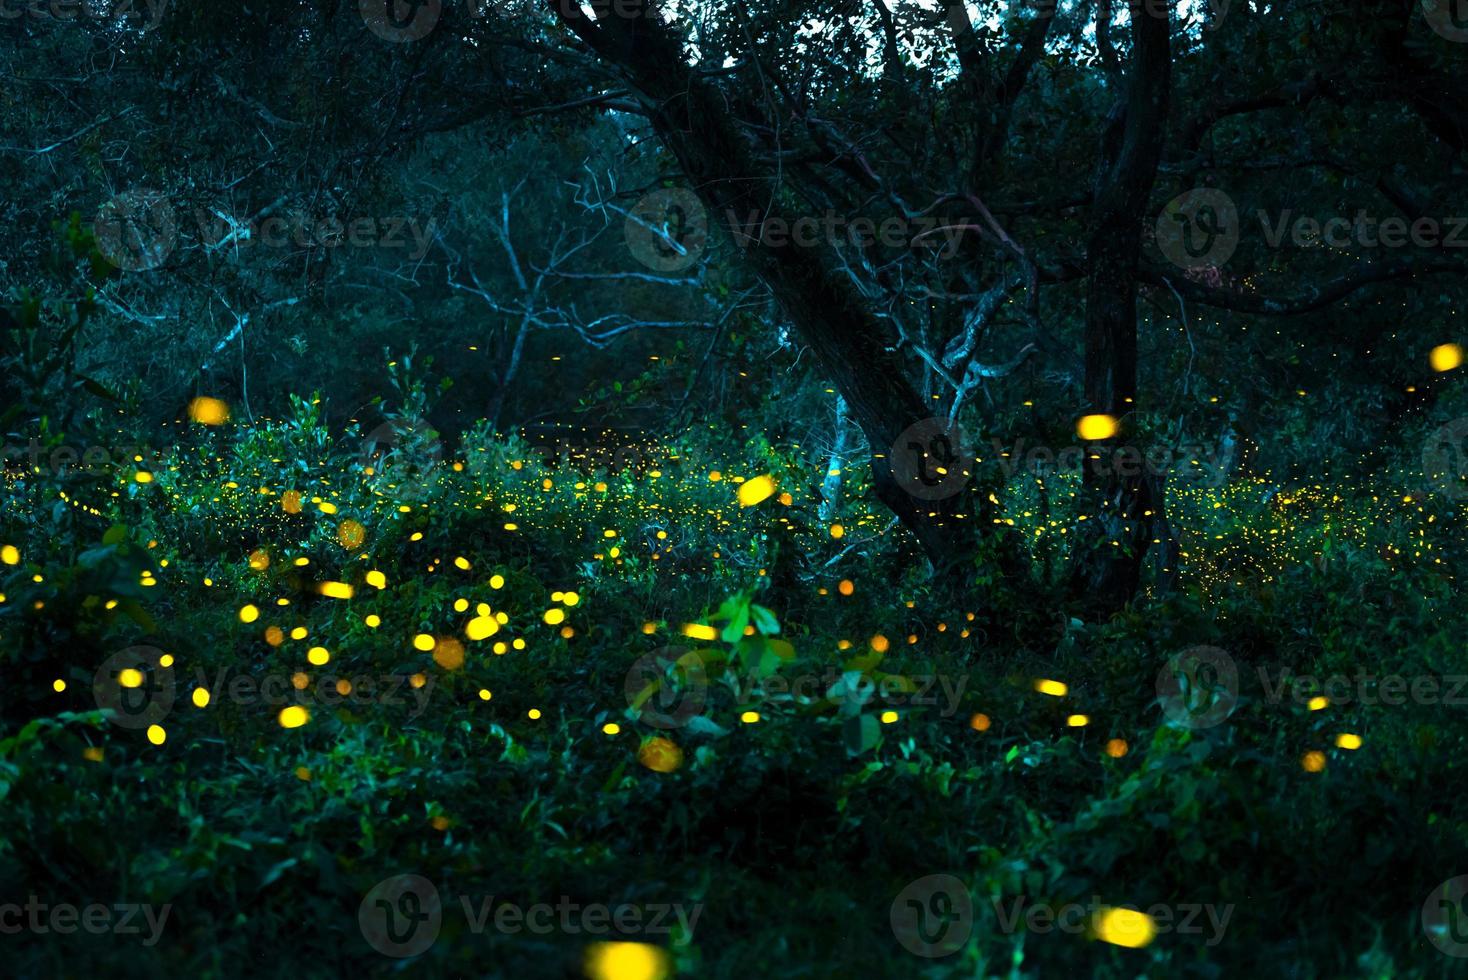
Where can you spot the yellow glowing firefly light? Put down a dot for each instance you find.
(293, 717)
(448, 653)
(208, 411)
(1096, 427)
(627, 961)
(660, 755)
(1125, 927)
(754, 491)
(481, 627)
(1445, 357)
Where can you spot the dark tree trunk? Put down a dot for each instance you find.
(854, 348)
(1107, 575)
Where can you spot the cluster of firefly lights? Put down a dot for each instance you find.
(625, 960)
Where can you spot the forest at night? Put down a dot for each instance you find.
(637, 489)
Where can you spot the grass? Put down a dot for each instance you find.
(779, 804)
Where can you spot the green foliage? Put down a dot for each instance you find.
(795, 832)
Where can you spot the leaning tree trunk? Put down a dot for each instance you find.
(1108, 575)
(855, 349)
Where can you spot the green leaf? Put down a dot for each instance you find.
(737, 621)
(765, 620)
(861, 733)
(97, 389)
(701, 725)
